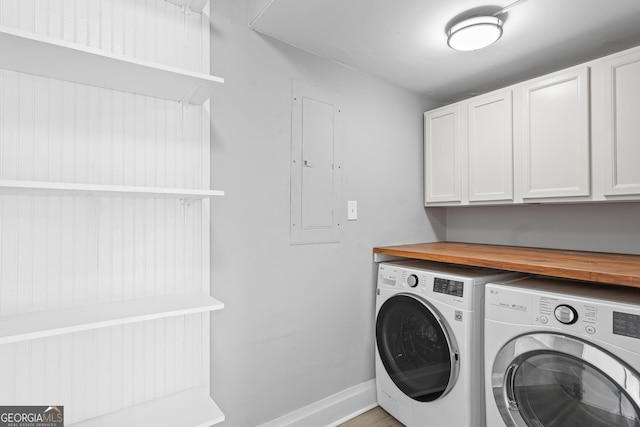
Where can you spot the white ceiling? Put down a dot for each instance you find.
(404, 41)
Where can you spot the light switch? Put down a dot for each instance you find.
(352, 210)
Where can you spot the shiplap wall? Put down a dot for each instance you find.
(153, 30)
(97, 372)
(57, 252)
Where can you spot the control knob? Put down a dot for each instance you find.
(566, 314)
(412, 280)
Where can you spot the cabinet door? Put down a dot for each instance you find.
(616, 113)
(442, 155)
(555, 136)
(490, 147)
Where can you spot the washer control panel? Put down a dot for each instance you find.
(448, 287)
(413, 280)
(435, 285)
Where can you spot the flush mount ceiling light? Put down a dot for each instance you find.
(474, 33)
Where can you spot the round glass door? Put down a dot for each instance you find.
(558, 381)
(415, 348)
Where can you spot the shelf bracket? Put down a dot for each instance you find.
(182, 106)
(186, 12)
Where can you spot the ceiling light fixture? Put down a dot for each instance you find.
(474, 33)
(479, 31)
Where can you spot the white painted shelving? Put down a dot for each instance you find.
(21, 327)
(42, 56)
(72, 189)
(187, 408)
(141, 357)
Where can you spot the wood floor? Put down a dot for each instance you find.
(377, 417)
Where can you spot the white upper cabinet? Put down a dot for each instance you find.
(468, 152)
(616, 109)
(443, 155)
(554, 155)
(489, 145)
(569, 136)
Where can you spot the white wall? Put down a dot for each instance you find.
(298, 322)
(605, 227)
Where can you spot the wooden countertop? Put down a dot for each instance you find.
(617, 269)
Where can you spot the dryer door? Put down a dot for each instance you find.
(416, 348)
(550, 380)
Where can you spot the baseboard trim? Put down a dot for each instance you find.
(333, 410)
(354, 414)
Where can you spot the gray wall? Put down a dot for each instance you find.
(298, 322)
(605, 227)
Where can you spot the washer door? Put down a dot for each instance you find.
(416, 349)
(549, 380)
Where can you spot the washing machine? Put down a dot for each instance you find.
(428, 357)
(562, 353)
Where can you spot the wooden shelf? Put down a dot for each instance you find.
(190, 408)
(617, 269)
(196, 6)
(71, 189)
(33, 54)
(22, 327)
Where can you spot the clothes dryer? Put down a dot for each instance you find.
(562, 353)
(428, 355)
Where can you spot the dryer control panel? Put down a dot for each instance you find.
(566, 312)
(626, 324)
(608, 314)
(519, 306)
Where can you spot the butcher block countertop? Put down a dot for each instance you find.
(617, 269)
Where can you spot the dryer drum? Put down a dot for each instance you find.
(550, 380)
(415, 348)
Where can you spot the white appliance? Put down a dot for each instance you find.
(429, 342)
(562, 353)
